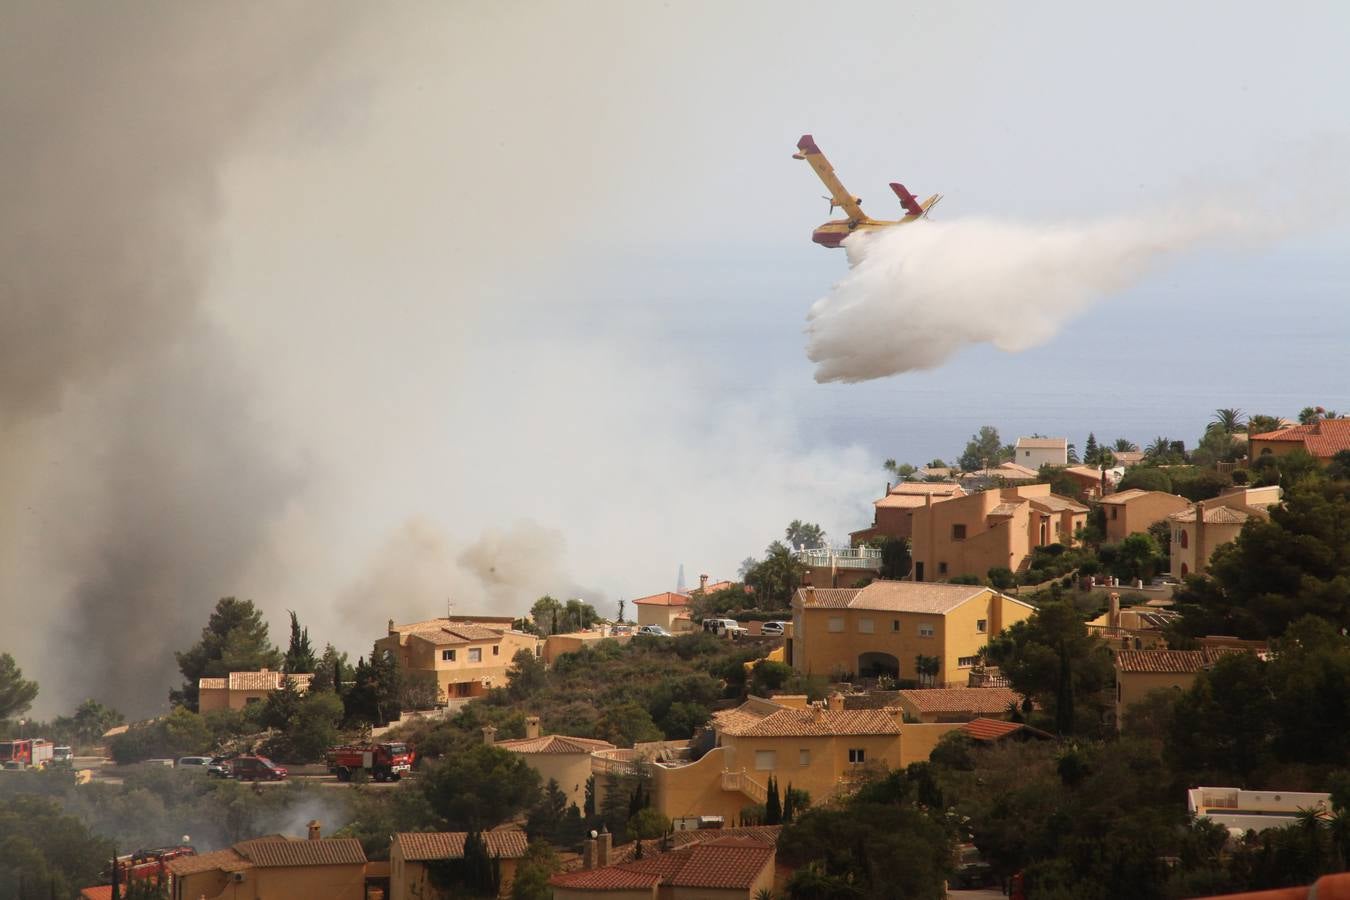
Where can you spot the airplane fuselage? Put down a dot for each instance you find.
(832, 233)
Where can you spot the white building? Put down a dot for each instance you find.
(1034, 452)
(1253, 810)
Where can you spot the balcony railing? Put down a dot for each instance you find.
(841, 558)
(740, 781)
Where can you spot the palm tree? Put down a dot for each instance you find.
(1125, 445)
(1230, 420)
(1309, 414)
(1259, 424)
(1158, 448)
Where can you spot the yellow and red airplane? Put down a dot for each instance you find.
(832, 233)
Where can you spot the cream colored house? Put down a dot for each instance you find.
(466, 656)
(1201, 529)
(893, 515)
(272, 867)
(883, 628)
(669, 610)
(409, 853)
(819, 748)
(1132, 511)
(991, 529)
(1140, 671)
(566, 760)
(239, 689)
(1036, 452)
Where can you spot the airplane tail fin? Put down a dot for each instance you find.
(907, 200)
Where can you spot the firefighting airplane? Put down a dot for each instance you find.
(832, 233)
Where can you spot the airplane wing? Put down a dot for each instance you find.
(840, 197)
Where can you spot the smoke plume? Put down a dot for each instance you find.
(135, 469)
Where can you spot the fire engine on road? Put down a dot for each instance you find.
(382, 762)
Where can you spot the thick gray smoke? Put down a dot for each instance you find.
(132, 463)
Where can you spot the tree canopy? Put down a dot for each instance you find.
(16, 693)
(234, 640)
(983, 449)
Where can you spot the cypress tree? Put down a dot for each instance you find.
(773, 807)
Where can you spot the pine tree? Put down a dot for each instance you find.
(299, 655)
(789, 804)
(1091, 453)
(773, 806)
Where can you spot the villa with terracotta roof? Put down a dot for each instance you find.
(1128, 512)
(1034, 452)
(893, 514)
(566, 760)
(409, 853)
(989, 731)
(1321, 440)
(818, 748)
(959, 704)
(1199, 530)
(990, 529)
(239, 689)
(465, 656)
(1141, 671)
(664, 609)
(723, 867)
(275, 866)
(882, 628)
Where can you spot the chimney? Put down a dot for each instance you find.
(1201, 556)
(263, 669)
(835, 702)
(817, 712)
(391, 627)
(1113, 618)
(489, 735)
(531, 727)
(314, 830)
(588, 853)
(603, 845)
(703, 582)
(809, 596)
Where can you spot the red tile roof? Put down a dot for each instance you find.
(224, 860)
(1324, 438)
(460, 634)
(892, 596)
(1328, 887)
(728, 863)
(508, 843)
(271, 852)
(97, 892)
(962, 700)
(813, 722)
(1216, 515)
(995, 729)
(555, 743)
(1173, 662)
(669, 598)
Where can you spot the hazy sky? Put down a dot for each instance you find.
(511, 296)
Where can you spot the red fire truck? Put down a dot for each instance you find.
(23, 754)
(382, 762)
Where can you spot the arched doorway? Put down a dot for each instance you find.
(874, 664)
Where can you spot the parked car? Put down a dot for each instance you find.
(167, 763)
(198, 763)
(621, 629)
(219, 766)
(256, 768)
(724, 627)
(656, 630)
(773, 628)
